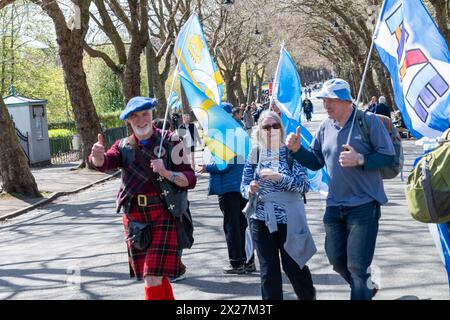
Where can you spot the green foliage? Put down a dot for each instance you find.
(111, 120)
(60, 133)
(107, 120)
(104, 85)
(38, 76)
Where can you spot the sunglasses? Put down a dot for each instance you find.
(269, 127)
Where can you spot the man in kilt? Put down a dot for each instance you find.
(139, 197)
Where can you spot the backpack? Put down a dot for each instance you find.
(428, 185)
(387, 172)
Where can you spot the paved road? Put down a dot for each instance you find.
(74, 249)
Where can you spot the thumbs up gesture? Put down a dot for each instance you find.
(98, 152)
(293, 141)
(349, 157)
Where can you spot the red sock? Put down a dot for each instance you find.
(155, 293)
(168, 289)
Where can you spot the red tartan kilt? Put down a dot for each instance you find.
(161, 258)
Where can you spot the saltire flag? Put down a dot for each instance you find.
(202, 83)
(172, 100)
(287, 94)
(417, 57)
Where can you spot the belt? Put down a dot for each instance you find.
(143, 200)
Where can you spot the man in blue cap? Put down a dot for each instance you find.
(139, 196)
(356, 188)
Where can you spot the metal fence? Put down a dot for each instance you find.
(63, 150)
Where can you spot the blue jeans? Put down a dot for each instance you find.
(351, 234)
(269, 247)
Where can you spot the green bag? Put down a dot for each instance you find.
(428, 185)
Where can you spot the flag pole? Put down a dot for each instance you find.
(171, 88)
(366, 67)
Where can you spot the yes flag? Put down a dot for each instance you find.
(417, 57)
(202, 83)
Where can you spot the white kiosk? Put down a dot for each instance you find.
(30, 119)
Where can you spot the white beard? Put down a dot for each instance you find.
(142, 132)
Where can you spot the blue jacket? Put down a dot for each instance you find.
(226, 180)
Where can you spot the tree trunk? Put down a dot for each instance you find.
(238, 87)
(442, 17)
(14, 170)
(229, 87)
(370, 88)
(184, 101)
(259, 81)
(160, 94)
(150, 62)
(384, 82)
(86, 119)
(131, 80)
(71, 42)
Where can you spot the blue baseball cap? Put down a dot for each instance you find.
(228, 107)
(335, 89)
(138, 104)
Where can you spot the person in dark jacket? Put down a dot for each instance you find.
(226, 184)
(307, 109)
(382, 108)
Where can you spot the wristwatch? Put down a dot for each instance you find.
(360, 159)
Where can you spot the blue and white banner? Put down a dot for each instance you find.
(172, 101)
(202, 83)
(287, 94)
(417, 57)
(441, 237)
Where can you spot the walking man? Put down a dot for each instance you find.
(356, 188)
(139, 198)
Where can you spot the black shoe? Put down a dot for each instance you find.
(375, 289)
(249, 268)
(232, 270)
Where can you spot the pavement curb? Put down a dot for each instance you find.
(53, 197)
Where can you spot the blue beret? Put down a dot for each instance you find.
(138, 104)
(228, 107)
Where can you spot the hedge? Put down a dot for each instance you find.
(107, 120)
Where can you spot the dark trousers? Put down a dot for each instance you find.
(234, 225)
(269, 247)
(351, 234)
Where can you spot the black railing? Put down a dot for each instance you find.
(111, 135)
(23, 140)
(62, 149)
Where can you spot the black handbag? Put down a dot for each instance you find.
(185, 230)
(139, 234)
(175, 199)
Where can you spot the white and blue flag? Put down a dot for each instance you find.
(173, 100)
(417, 57)
(287, 94)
